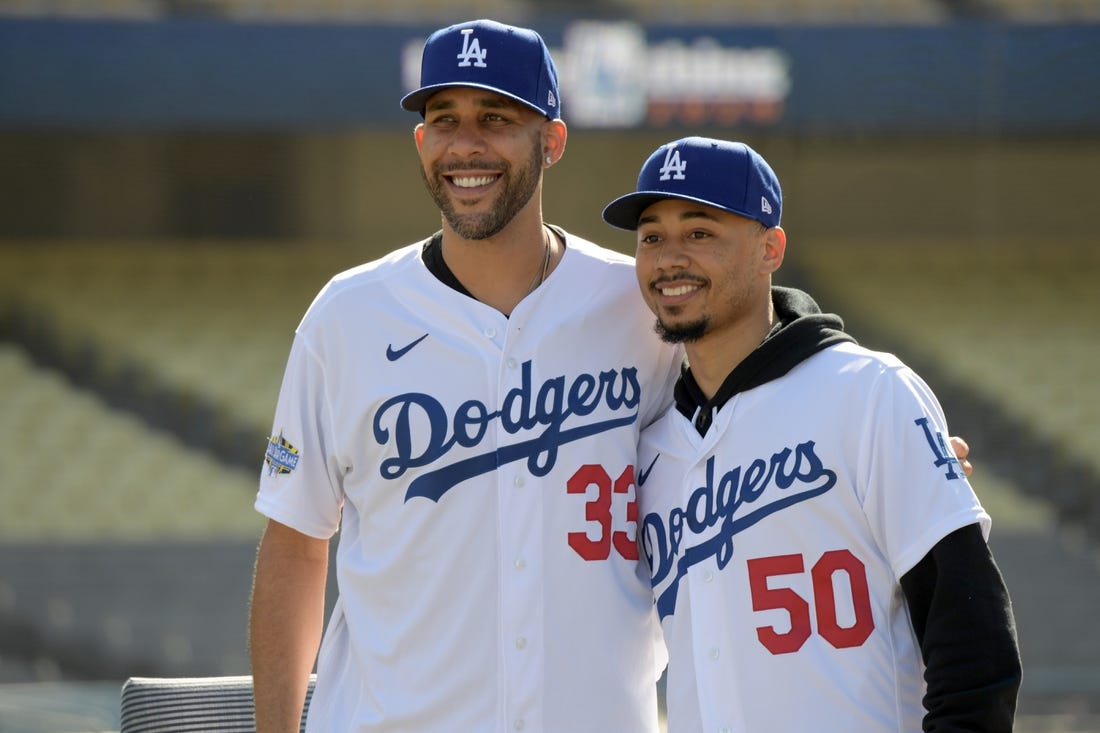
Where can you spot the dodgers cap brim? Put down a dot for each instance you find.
(625, 211)
(418, 100)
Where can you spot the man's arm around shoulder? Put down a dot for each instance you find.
(287, 615)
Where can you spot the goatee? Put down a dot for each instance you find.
(681, 333)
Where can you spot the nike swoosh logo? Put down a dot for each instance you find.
(643, 475)
(394, 354)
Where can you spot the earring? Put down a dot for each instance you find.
(549, 160)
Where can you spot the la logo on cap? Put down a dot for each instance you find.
(673, 168)
(471, 50)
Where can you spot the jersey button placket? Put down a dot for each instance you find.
(519, 496)
(708, 611)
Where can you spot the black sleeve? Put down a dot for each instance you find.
(963, 620)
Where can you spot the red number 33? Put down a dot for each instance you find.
(599, 510)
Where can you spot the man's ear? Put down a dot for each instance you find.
(418, 135)
(554, 134)
(775, 248)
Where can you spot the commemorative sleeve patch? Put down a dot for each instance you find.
(281, 456)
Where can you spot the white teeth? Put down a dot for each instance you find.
(680, 290)
(472, 181)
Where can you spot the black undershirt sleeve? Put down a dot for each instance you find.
(963, 620)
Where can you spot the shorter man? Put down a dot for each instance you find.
(814, 547)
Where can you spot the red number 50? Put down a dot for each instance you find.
(599, 510)
(765, 598)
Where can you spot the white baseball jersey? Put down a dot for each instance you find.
(480, 469)
(777, 542)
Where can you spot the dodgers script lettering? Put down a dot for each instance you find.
(524, 409)
(734, 501)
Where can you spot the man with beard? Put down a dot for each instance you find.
(817, 556)
(466, 412)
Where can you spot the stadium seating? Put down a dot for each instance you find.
(212, 324)
(75, 470)
(213, 321)
(267, 10)
(790, 11)
(520, 11)
(1013, 321)
(1047, 11)
(173, 355)
(82, 9)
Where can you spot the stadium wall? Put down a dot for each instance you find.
(190, 74)
(193, 128)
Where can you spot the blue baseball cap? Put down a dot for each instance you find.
(488, 55)
(726, 175)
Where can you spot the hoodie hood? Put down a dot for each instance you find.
(802, 331)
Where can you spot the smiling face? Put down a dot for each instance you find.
(481, 157)
(704, 271)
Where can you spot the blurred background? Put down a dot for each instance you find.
(178, 178)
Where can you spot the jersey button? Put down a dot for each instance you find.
(490, 333)
(714, 653)
(521, 564)
(519, 724)
(518, 481)
(708, 576)
(521, 643)
(512, 363)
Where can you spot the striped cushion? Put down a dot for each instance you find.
(191, 705)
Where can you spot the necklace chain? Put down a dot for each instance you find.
(540, 276)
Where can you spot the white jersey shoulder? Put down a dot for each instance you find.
(396, 264)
